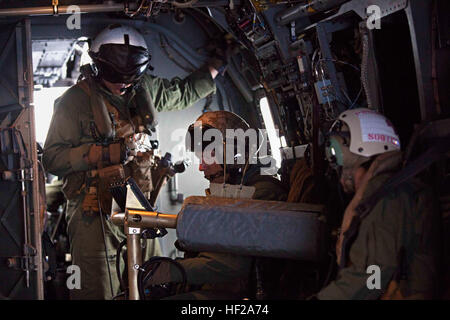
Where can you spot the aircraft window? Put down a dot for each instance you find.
(56, 68)
(272, 133)
(44, 99)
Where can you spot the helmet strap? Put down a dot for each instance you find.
(247, 162)
(224, 163)
(348, 179)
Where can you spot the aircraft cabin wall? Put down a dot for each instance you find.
(309, 67)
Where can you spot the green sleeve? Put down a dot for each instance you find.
(210, 267)
(63, 150)
(377, 244)
(179, 94)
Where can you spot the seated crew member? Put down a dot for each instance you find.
(90, 143)
(400, 234)
(220, 275)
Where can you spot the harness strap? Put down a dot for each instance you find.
(102, 118)
(433, 154)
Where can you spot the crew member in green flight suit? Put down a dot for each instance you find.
(91, 142)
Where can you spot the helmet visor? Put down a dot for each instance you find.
(119, 63)
(333, 152)
(334, 148)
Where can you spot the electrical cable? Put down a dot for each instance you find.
(133, 14)
(356, 99)
(340, 61)
(344, 92)
(149, 10)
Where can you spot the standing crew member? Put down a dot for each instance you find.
(91, 142)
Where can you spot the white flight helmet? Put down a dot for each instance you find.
(120, 54)
(359, 134)
(118, 34)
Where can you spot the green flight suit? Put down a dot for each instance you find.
(406, 218)
(69, 139)
(223, 275)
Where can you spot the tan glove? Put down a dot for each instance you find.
(114, 153)
(94, 155)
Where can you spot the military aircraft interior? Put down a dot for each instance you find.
(308, 76)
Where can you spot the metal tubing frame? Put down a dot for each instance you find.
(93, 8)
(134, 257)
(134, 222)
(85, 8)
(150, 219)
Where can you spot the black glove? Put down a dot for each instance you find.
(223, 52)
(161, 274)
(163, 277)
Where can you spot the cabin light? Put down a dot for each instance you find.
(272, 133)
